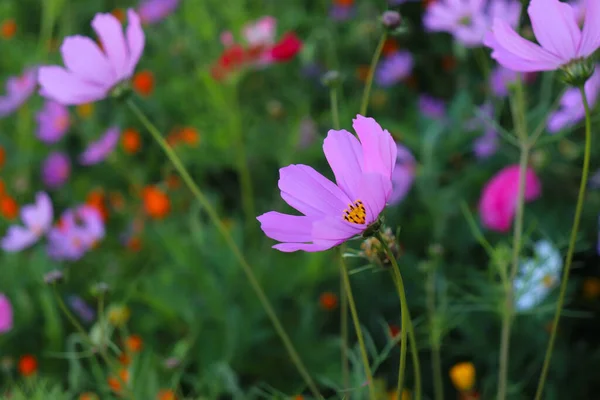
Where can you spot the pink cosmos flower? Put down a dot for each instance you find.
(333, 213)
(393, 68)
(56, 170)
(18, 90)
(91, 73)
(555, 27)
(571, 109)
(53, 122)
(100, 149)
(464, 19)
(78, 232)
(403, 175)
(37, 219)
(498, 203)
(6, 314)
(152, 11)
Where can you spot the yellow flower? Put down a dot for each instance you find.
(463, 376)
(85, 110)
(393, 395)
(118, 315)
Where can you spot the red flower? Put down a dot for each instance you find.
(287, 47)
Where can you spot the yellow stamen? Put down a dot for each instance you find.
(548, 281)
(356, 213)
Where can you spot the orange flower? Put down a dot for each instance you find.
(2, 156)
(134, 343)
(88, 396)
(8, 28)
(134, 244)
(131, 141)
(344, 3)
(156, 202)
(9, 207)
(166, 394)
(96, 199)
(124, 359)
(2, 188)
(28, 365)
(119, 14)
(190, 136)
(85, 110)
(116, 383)
(328, 301)
(394, 330)
(390, 46)
(143, 83)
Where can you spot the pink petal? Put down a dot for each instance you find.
(590, 39)
(66, 88)
(516, 53)
(375, 190)
(379, 149)
(555, 27)
(18, 238)
(310, 192)
(287, 228)
(309, 247)
(6, 314)
(135, 41)
(335, 229)
(345, 156)
(84, 59)
(109, 30)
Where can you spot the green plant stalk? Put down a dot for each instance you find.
(354, 313)
(212, 214)
(364, 105)
(571, 249)
(436, 360)
(518, 114)
(407, 326)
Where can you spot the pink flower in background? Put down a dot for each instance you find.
(18, 90)
(91, 73)
(79, 230)
(56, 170)
(506, 10)
(37, 219)
(403, 175)
(464, 19)
(100, 149)
(53, 122)
(153, 11)
(432, 107)
(485, 145)
(500, 79)
(571, 109)
(498, 203)
(394, 68)
(6, 314)
(261, 32)
(555, 28)
(333, 213)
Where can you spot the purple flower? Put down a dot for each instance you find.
(571, 108)
(18, 90)
(79, 231)
(555, 28)
(464, 19)
(56, 170)
(100, 149)
(81, 308)
(6, 314)
(506, 10)
(152, 11)
(53, 122)
(394, 68)
(485, 145)
(91, 73)
(341, 12)
(500, 79)
(403, 175)
(431, 107)
(333, 213)
(37, 219)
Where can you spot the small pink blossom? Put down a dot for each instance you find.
(80, 229)
(18, 90)
(498, 203)
(37, 219)
(53, 122)
(153, 11)
(97, 151)
(91, 73)
(260, 32)
(6, 314)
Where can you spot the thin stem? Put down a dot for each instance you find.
(214, 217)
(436, 360)
(407, 326)
(356, 321)
(364, 105)
(335, 116)
(518, 113)
(571, 250)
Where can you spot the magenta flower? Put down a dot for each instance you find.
(78, 232)
(333, 213)
(261, 32)
(18, 90)
(464, 19)
(571, 109)
(6, 314)
(100, 149)
(91, 73)
(555, 27)
(432, 107)
(53, 122)
(152, 11)
(394, 68)
(56, 170)
(498, 203)
(37, 219)
(403, 175)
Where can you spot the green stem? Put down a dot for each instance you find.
(354, 313)
(571, 250)
(406, 328)
(367, 92)
(212, 214)
(436, 360)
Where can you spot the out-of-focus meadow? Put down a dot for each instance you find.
(122, 283)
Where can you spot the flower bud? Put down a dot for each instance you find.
(576, 73)
(54, 276)
(372, 250)
(331, 79)
(463, 376)
(391, 19)
(101, 288)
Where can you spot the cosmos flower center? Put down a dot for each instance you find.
(465, 21)
(61, 123)
(356, 213)
(548, 281)
(37, 230)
